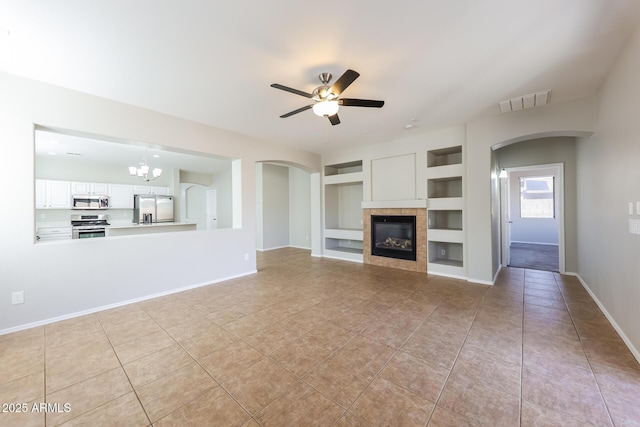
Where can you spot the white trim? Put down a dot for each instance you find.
(451, 276)
(560, 193)
(495, 276)
(611, 320)
(118, 304)
(273, 249)
(299, 247)
(395, 204)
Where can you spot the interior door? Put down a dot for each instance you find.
(212, 209)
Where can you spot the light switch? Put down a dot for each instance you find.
(630, 208)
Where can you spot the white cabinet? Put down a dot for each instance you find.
(121, 196)
(141, 189)
(162, 191)
(148, 189)
(99, 188)
(53, 194)
(89, 188)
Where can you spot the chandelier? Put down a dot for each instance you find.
(143, 171)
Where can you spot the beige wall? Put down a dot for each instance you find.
(608, 176)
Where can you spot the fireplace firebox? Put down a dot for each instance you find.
(393, 236)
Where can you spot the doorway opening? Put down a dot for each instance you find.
(533, 217)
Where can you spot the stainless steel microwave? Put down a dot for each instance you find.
(90, 201)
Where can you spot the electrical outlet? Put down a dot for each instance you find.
(42, 216)
(443, 252)
(246, 257)
(17, 298)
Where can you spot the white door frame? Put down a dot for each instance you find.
(504, 210)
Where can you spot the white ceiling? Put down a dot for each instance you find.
(436, 62)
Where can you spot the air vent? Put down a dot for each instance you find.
(525, 102)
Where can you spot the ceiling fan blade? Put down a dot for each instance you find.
(335, 120)
(299, 110)
(343, 82)
(292, 90)
(350, 102)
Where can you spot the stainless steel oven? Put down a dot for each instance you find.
(88, 226)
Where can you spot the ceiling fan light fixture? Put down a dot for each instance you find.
(326, 108)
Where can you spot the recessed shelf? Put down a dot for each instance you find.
(444, 156)
(446, 253)
(444, 187)
(343, 168)
(344, 245)
(444, 219)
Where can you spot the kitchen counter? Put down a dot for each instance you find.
(135, 229)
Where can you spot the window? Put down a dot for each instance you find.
(537, 197)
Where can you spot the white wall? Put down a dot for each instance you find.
(608, 179)
(53, 276)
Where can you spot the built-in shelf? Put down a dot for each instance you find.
(446, 253)
(343, 194)
(444, 187)
(342, 179)
(444, 219)
(444, 156)
(344, 233)
(343, 168)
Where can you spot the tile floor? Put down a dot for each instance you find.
(310, 341)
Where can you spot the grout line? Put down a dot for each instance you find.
(595, 379)
(122, 366)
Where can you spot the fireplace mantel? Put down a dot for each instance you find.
(395, 204)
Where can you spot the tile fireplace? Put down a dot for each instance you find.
(387, 243)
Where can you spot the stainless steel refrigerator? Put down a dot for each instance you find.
(148, 209)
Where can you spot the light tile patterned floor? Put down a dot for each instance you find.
(310, 341)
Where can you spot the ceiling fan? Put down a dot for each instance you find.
(327, 101)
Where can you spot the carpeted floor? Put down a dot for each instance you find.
(534, 256)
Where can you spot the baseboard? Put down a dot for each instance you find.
(273, 249)
(299, 247)
(610, 318)
(451, 276)
(343, 259)
(118, 304)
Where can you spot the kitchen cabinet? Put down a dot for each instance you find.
(89, 188)
(121, 196)
(161, 191)
(148, 189)
(53, 194)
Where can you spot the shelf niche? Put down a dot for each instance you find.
(343, 168)
(444, 220)
(446, 253)
(445, 156)
(444, 187)
(344, 245)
